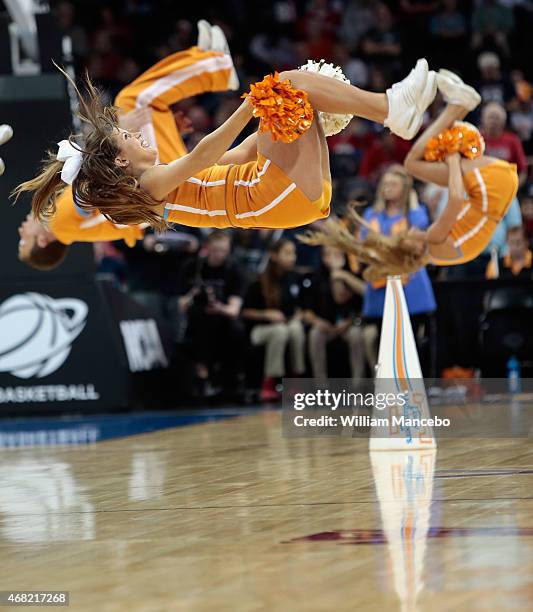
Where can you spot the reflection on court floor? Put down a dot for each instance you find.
(230, 515)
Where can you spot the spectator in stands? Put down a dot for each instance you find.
(499, 142)
(527, 211)
(414, 16)
(518, 263)
(358, 18)
(448, 27)
(182, 37)
(395, 209)
(105, 62)
(250, 248)
(449, 23)
(491, 25)
(492, 86)
(354, 140)
(110, 264)
(212, 288)
(325, 13)
(381, 45)
(66, 17)
(307, 256)
(521, 112)
(272, 48)
(272, 309)
(118, 28)
(333, 308)
(199, 118)
(377, 80)
(111, 43)
(386, 150)
(318, 27)
(152, 271)
(355, 70)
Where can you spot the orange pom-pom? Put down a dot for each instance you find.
(462, 138)
(472, 143)
(282, 109)
(440, 146)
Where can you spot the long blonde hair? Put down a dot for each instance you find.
(409, 199)
(385, 255)
(100, 184)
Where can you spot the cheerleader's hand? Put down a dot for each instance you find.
(135, 119)
(452, 158)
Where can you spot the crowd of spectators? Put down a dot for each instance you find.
(228, 294)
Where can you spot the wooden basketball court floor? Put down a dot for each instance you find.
(230, 515)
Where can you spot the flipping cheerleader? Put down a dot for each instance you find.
(144, 106)
(277, 178)
(449, 153)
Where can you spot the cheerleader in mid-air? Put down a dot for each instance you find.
(277, 178)
(144, 105)
(449, 153)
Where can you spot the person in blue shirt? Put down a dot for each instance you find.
(395, 209)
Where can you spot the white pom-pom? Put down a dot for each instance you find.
(331, 124)
(6, 132)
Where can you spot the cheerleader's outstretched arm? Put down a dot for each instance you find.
(439, 231)
(160, 180)
(432, 172)
(241, 154)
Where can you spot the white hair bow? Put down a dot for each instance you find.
(72, 158)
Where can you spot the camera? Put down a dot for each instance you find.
(207, 294)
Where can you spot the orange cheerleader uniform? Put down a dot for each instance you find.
(181, 75)
(72, 224)
(253, 195)
(490, 190)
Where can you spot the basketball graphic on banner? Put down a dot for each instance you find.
(37, 332)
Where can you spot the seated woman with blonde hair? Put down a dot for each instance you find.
(396, 209)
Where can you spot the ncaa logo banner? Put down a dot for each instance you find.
(60, 347)
(37, 332)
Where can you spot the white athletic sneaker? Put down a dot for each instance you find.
(6, 131)
(220, 43)
(204, 35)
(455, 91)
(428, 94)
(409, 99)
(2, 166)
